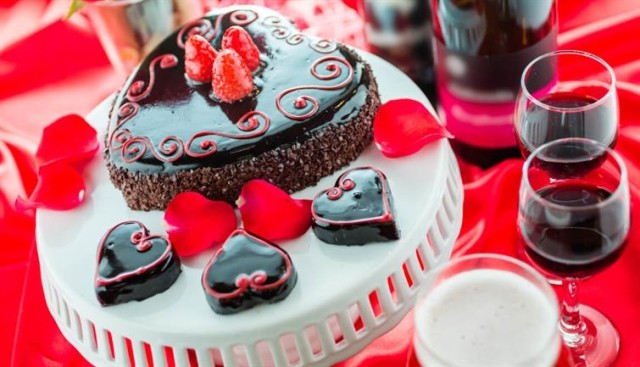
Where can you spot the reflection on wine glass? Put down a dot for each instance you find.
(566, 94)
(486, 310)
(574, 219)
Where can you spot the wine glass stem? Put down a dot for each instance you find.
(572, 327)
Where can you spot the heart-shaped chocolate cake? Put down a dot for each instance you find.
(245, 272)
(133, 265)
(310, 113)
(356, 211)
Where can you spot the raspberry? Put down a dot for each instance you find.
(237, 39)
(232, 79)
(198, 58)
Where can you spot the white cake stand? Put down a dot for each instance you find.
(345, 296)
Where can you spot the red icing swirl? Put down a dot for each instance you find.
(172, 148)
(257, 281)
(204, 28)
(249, 122)
(282, 32)
(138, 89)
(142, 240)
(335, 193)
(244, 281)
(301, 102)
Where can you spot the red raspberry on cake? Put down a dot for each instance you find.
(237, 39)
(199, 56)
(232, 79)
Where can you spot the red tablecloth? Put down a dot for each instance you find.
(49, 68)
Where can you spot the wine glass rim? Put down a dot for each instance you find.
(598, 102)
(543, 285)
(623, 182)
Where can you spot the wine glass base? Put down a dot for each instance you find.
(603, 340)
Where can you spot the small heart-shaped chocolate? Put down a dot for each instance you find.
(133, 265)
(245, 272)
(357, 210)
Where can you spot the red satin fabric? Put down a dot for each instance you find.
(49, 68)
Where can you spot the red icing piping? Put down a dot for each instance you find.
(342, 182)
(248, 122)
(324, 46)
(142, 241)
(204, 28)
(243, 17)
(171, 148)
(137, 90)
(335, 193)
(301, 102)
(201, 27)
(283, 32)
(256, 280)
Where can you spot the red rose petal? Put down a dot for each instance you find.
(270, 213)
(403, 126)
(69, 140)
(195, 223)
(60, 187)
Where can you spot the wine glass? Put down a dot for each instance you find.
(565, 94)
(486, 310)
(574, 219)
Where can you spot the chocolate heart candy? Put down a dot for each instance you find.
(133, 265)
(245, 272)
(357, 210)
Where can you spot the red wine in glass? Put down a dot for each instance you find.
(566, 115)
(566, 94)
(574, 244)
(574, 218)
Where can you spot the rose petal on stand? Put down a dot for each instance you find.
(271, 213)
(195, 223)
(404, 126)
(59, 187)
(69, 140)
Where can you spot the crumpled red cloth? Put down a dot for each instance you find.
(49, 68)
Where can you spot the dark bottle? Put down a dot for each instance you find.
(400, 32)
(481, 48)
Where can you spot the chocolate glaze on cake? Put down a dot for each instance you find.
(310, 115)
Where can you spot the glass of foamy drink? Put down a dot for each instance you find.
(486, 310)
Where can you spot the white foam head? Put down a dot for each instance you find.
(487, 317)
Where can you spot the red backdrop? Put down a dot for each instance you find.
(49, 68)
